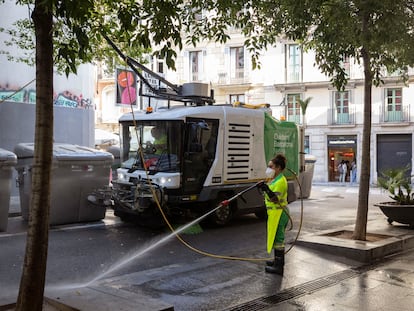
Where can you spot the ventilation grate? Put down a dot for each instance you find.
(238, 152)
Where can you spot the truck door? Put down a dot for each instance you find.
(199, 153)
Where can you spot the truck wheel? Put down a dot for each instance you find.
(123, 216)
(262, 214)
(222, 215)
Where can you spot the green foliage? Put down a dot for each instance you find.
(333, 29)
(396, 182)
(304, 104)
(22, 36)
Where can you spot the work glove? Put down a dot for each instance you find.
(265, 188)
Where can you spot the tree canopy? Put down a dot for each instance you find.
(334, 29)
(377, 34)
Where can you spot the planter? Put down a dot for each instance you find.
(403, 214)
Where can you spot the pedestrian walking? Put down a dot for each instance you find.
(353, 171)
(342, 170)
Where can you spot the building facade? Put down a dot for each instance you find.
(333, 120)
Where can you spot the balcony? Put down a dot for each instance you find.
(297, 118)
(395, 116)
(343, 118)
(239, 76)
(195, 77)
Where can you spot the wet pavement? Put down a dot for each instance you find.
(322, 272)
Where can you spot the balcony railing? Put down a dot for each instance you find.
(297, 118)
(395, 116)
(341, 118)
(294, 77)
(239, 76)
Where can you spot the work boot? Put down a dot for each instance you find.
(277, 267)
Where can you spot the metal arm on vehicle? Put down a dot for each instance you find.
(174, 92)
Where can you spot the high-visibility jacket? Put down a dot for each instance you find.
(274, 210)
(160, 144)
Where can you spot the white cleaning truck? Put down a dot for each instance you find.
(208, 154)
(187, 159)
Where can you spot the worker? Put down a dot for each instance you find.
(160, 140)
(277, 213)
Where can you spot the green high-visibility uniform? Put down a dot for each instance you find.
(160, 144)
(277, 217)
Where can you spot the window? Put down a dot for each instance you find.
(196, 65)
(341, 107)
(293, 108)
(346, 65)
(236, 98)
(160, 66)
(393, 102)
(294, 63)
(237, 62)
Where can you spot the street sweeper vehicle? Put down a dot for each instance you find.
(187, 159)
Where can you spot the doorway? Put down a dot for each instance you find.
(393, 151)
(340, 148)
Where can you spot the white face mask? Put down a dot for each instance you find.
(270, 173)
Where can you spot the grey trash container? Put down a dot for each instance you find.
(76, 172)
(116, 152)
(307, 176)
(7, 161)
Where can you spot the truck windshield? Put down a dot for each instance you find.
(154, 145)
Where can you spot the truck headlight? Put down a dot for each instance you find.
(122, 177)
(169, 181)
(164, 180)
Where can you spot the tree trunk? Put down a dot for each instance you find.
(32, 281)
(360, 230)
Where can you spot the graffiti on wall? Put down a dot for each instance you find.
(64, 99)
(69, 99)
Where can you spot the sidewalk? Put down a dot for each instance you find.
(386, 284)
(320, 273)
(383, 281)
(14, 208)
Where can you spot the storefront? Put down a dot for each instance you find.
(393, 151)
(340, 148)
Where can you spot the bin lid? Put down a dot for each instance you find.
(7, 158)
(65, 152)
(310, 158)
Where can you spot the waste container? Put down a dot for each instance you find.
(116, 152)
(76, 172)
(7, 161)
(307, 176)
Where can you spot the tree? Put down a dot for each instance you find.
(31, 293)
(304, 103)
(68, 33)
(377, 34)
